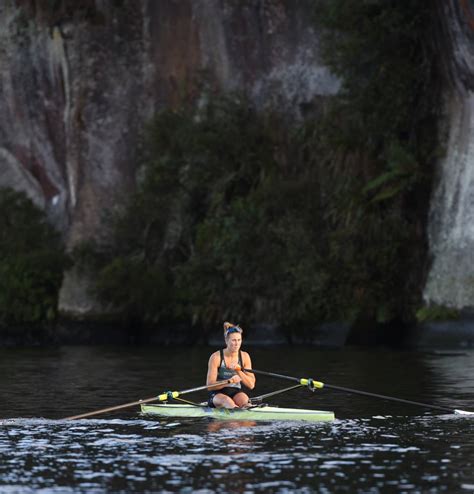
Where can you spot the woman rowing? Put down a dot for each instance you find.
(225, 365)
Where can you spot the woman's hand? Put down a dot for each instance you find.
(235, 379)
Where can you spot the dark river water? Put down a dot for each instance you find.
(373, 446)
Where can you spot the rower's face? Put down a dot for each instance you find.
(234, 341)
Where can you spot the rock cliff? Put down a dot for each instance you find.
(451, 226)
(79, 80)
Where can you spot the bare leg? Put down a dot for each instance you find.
(241, 399)
(221, 400)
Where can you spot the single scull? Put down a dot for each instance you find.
(254, 413)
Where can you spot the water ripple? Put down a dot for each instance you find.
(127, 455)
(385, 449)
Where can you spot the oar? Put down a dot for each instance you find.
(311, 383)
(163, 397)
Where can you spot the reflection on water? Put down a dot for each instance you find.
(363, 455)
(375, 446)
(219, 425)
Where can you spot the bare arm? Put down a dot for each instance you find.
(248, 378)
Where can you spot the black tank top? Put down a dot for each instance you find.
(225, 373)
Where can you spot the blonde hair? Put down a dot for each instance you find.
(228, 325)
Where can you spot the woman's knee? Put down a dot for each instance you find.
(221, 400)
(241, 399)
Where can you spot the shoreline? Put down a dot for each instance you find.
(457, 334)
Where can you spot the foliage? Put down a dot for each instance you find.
(383, 52)
(239, 216)
(428, 313)
(383, 125)
(32, 260)
(212, 219)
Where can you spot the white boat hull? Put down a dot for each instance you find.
(257, 413)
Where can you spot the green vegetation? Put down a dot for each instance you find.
(384, 53)
(218, 223)
(429, 313)
(238, 215)
(32, 261)
(383, 127)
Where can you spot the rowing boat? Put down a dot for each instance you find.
(255, 413)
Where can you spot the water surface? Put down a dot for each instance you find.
(373, 446)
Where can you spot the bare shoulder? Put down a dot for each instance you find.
(245, 358)
(214, 358)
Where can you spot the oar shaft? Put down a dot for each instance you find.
(356, 391)
(391, 398)
(161, 397)
(272, 374)
(110, 409)
(200, 388)
(303, 381)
